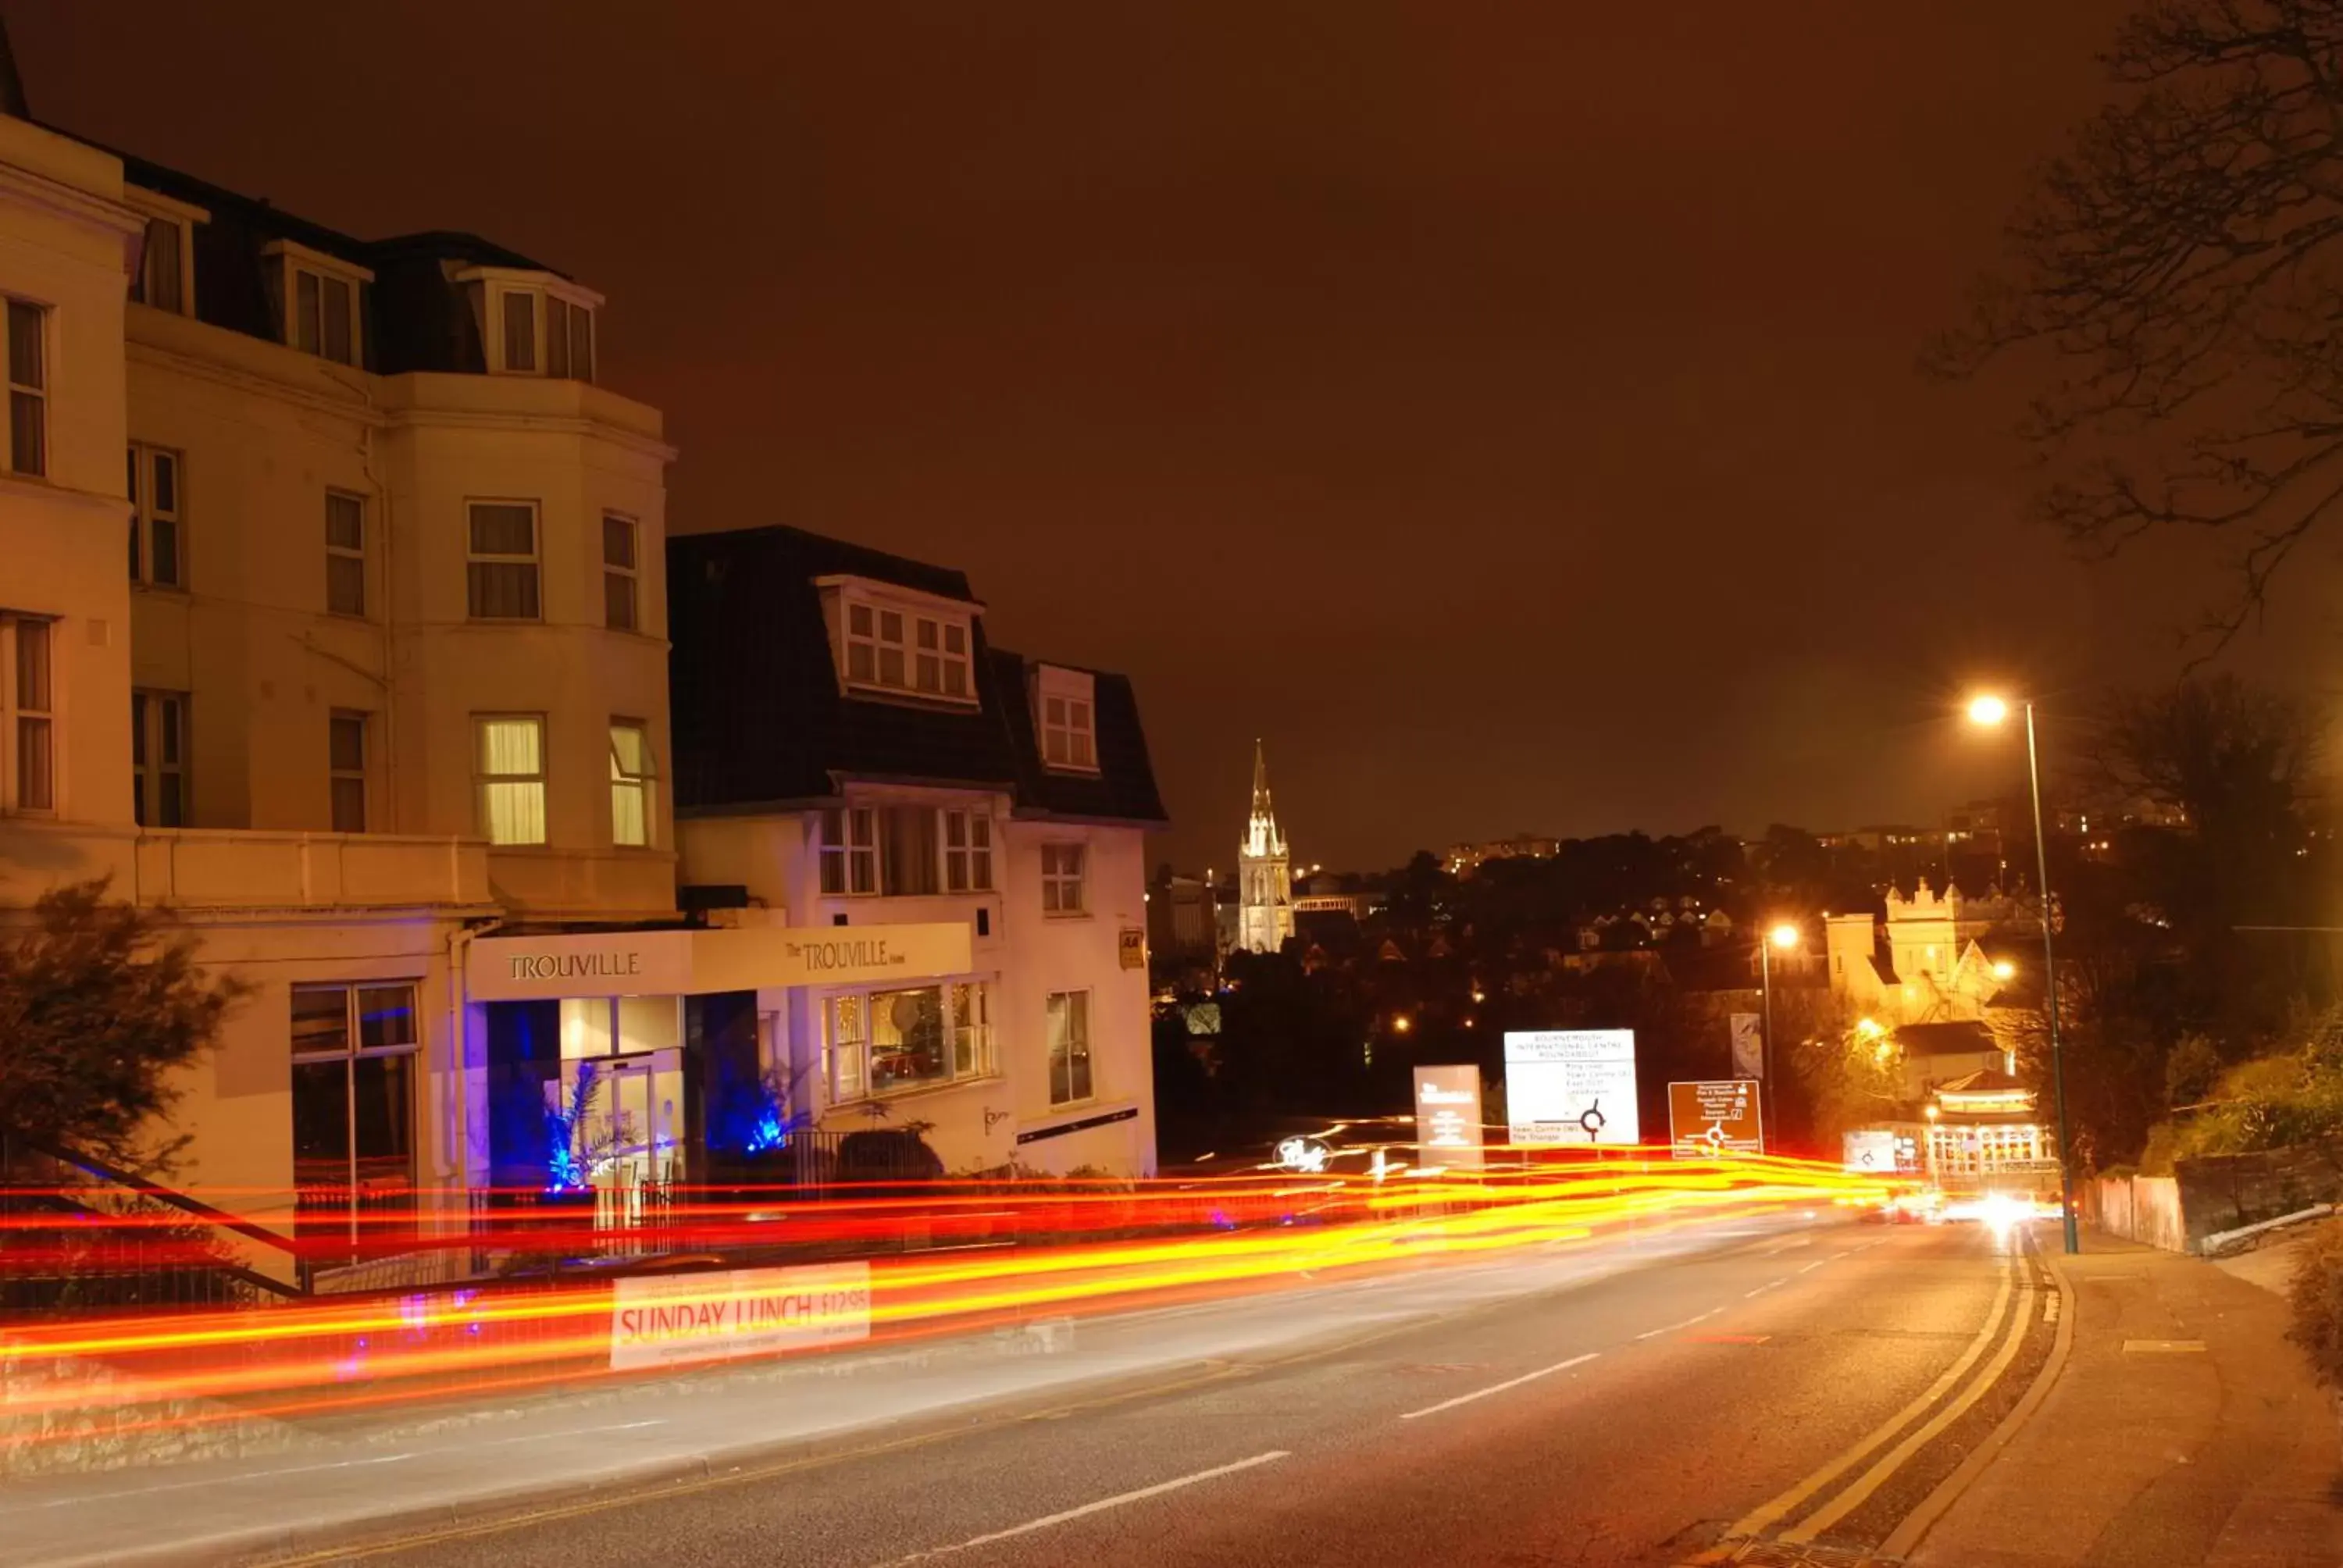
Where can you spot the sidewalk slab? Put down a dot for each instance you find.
(2149, 1452)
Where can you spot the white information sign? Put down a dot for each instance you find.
(682, 1319)
(1571, 1086)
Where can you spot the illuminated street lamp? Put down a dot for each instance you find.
(1990, 709)
(1784, 936)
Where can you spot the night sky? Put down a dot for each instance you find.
(1507, 412)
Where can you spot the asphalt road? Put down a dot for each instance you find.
(1636, 1418)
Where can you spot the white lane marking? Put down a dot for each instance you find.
(1817, 1263)
(1100, 1506)
(1501, 1387)
(78, 1501)
(570, 1431)
(1672, 1328)
(1764, 1288)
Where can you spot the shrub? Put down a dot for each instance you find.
(2317, 1297)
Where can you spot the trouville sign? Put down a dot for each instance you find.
(685, 962)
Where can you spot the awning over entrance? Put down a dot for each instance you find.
(689, 963)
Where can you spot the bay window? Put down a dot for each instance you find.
(850, 851)
(500, 568)
(904, 851)
(880, 1041)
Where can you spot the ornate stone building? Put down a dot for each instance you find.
(1264, 876)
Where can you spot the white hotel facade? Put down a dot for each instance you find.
(334, 624)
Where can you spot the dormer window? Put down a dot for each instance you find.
(1065, 704)
(899, 641)
(532, 323)
(165, 278)
(319, 298)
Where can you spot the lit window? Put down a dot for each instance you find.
(160, 282)
(631, 783)
(850, 851)
(1062, 879)
(28, 388)
(345, 566)
(28, 767)
(1069, 713)
(347, 764)
(908, 651)
(1070, 1046)
(156, 556)
(511, 762)
(882, 1041)
(968, 852)
(619, 572)
(158, 758)
(501, 568)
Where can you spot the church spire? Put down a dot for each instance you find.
(1260, 780)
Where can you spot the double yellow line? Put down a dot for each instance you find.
(2016, 1283)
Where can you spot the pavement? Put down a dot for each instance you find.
(2182, 1429)
(1761, 1391)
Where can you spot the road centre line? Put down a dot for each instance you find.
(1501, 1387)
(1100, 1506)
(1854, 1496)
(1810, 1268)
(1767, 1513)
(1763, 1288)
(1672, 1328)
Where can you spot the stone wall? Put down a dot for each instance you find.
(62, 1414)
(2218, 1192)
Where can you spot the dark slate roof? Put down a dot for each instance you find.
(415, 318)
(759, 722)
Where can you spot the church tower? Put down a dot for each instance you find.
(1264, 886)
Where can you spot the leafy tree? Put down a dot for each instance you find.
(2178, 264)
(100, 1010)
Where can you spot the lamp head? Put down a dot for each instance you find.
(1986, 708)
(1784, 936)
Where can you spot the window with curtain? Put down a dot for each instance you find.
(850, 851)
(345, 561)
(501, 569)
(511, 752)
(27, 716)
(1068, 1022)
(158, 758)
(907, 850)
(28, 387)
(156, 556)
(879, 1041)
(631, 807)
(159, 282)
(619, 572)
(520, 329)
(345, 747)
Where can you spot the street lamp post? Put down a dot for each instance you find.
(1991, 709)
(1785, 937)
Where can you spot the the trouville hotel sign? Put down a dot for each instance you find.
(687, 962)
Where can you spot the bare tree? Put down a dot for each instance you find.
(2182, 264)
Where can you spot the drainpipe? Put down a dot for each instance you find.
(459, 947)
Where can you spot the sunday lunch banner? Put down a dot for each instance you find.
(683, 1320)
